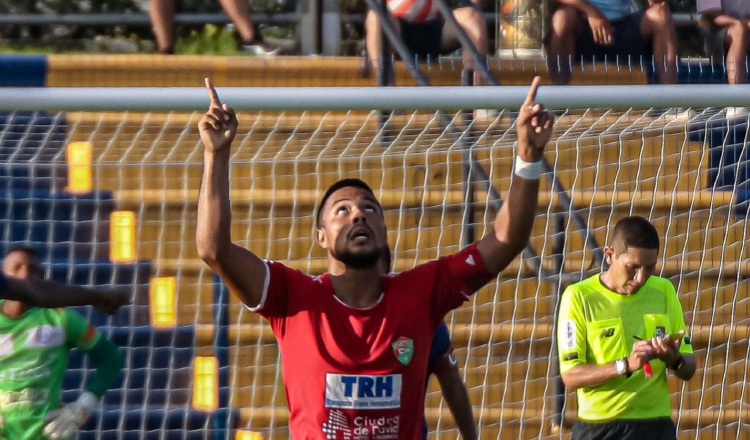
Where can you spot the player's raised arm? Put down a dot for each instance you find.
(51, 294)
(242, 271)
(515, 220)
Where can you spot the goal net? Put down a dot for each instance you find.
(188, 375)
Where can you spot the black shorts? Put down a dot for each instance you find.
(423, 39)
(627, 42)
(658, 429)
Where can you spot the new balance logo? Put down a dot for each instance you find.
(607, 333)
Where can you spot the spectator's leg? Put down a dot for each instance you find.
(374, 41)
(239, 12)
(472, 22)
(658, 24)
(737, 39)
(561, 43)
(162, 22)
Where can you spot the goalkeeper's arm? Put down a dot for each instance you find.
(38, 292)
(109, 361)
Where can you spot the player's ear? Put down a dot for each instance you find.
(608, 252)
(321, 237)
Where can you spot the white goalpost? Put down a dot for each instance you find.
(104, 184)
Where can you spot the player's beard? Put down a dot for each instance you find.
(358, 259)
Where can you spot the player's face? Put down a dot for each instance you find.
(20, 264)
(353, 228)
(629, 270)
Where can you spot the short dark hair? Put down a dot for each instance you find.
(343, 183)
(635, 231)
(22, 248)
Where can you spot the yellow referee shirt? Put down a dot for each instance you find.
(598, 326)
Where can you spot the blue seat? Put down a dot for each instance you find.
(151, 399)
(57, 225)
(137, 423)
(32, 150)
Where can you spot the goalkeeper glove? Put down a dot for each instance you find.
(65, 422)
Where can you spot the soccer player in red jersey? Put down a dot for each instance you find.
(355, 343)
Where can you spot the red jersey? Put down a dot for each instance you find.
(358, 374)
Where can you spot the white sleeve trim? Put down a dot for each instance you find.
(264, 295)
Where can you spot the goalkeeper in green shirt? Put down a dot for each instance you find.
(34, 348)
(619, 333)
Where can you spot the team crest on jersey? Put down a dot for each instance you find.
(403, 348)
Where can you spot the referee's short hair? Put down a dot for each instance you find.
(635, 231)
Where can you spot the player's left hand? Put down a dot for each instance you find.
(534, 126)
(62, 424)
(109, 302)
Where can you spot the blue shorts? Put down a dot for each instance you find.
(627, 41)
(3, 283)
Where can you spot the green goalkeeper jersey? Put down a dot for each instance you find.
(34, 352)
(597, 326)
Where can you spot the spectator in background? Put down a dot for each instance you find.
(425, 32)
(730, 19)
(34, 348)
(611, 28)
(162, 14)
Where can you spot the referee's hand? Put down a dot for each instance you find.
(219, 125)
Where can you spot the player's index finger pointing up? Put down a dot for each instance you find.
(531, 97)
(212, 93)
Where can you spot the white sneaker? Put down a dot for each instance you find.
(737, 112)
(260, 50)
(485, 114)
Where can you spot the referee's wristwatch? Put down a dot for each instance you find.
(621, 365)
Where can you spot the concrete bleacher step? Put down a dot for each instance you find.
(294, 71)
(169, 156)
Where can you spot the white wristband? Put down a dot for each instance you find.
(527, 170)
(88, 401)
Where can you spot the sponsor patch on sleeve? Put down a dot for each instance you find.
(569, 335)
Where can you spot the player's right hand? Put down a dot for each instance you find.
(109, 302)
(64, 423)
(219, 125)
